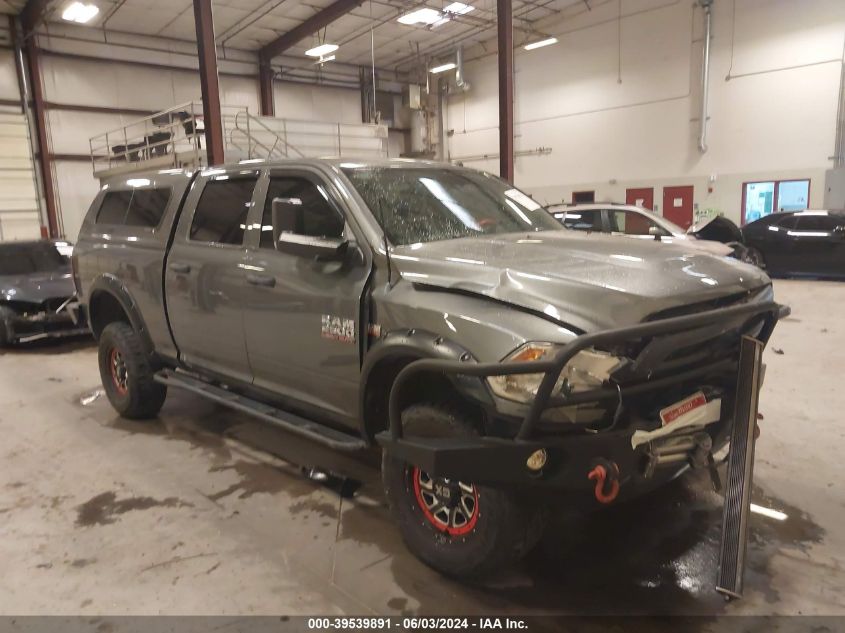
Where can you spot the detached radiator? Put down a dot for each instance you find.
(740, 471)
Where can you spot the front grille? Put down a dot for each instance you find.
(703, 306)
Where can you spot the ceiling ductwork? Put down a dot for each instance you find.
(460, 79)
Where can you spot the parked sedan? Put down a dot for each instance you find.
(799, 243)
(37, 294)
(636, 222)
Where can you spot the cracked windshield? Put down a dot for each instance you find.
(428, 204)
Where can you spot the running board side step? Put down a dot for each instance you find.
(315, 431)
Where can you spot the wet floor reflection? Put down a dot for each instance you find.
(655, 555)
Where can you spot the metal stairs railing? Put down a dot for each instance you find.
(261, 137)
(175, 138)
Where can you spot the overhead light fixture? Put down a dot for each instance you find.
(322, 50)
(540, 44)
(323, 60)
(458, 8)
(443, 68)
(420, 16)
(80, 13)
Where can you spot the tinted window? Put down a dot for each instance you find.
(581, 220)
(137, 207)
(23, 259)
(221, 213)
(114, 207)
(424, 204)
(147, 207)
(788, 223)
(818, 222)
(317, 218)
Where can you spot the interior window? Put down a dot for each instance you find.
(589, 220)
(318, 218)
(222, 211)
(114, 207)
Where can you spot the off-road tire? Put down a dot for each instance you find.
(504, 528)
(755, 257)
(132, 392)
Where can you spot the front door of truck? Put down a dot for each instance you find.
(205, 275)
(302, 315)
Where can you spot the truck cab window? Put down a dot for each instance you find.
(222, 211)
(319, 217)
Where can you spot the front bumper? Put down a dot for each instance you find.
(67, 320)
(571, 454)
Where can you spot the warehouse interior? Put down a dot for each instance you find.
(691, 109)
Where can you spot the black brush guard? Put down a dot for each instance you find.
(503, 461)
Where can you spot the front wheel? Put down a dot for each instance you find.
(753, 256)
(456, 527)
(126, 373)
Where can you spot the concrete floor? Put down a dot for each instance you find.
(192, 514)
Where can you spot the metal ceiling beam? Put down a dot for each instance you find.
(209, 81)
(504, 17)
(318, 21)
(32, 13)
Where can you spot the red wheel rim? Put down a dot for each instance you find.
(455, 515)
(119, 375)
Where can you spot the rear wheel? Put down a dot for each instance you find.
(456, 527)
(127, 375)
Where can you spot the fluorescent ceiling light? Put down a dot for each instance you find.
(458, 8)
(323, 60)
(80, 13)
(546, 42)
(420, 16)
(443, 68)
(322, 49)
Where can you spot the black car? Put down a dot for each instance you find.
(37, 293)
(799, 243)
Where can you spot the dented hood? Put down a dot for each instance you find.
(591, 282)
(37, 287)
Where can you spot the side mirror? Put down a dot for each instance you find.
(656, 232)
(287, 236)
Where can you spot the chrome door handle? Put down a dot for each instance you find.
(176, 267)
(267, 281)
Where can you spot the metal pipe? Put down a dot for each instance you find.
(460, 79)
(705, 73)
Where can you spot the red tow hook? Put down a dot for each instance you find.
(606, 476)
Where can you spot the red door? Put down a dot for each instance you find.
(677, 205)
(643, 197)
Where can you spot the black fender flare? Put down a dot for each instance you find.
(419, 344)
(110, 284)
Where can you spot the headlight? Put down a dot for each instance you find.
(588, 369)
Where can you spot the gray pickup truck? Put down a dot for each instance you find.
(501, 362)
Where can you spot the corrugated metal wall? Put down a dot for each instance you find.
(18, 201)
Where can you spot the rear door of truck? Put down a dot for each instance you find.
(205, 276)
